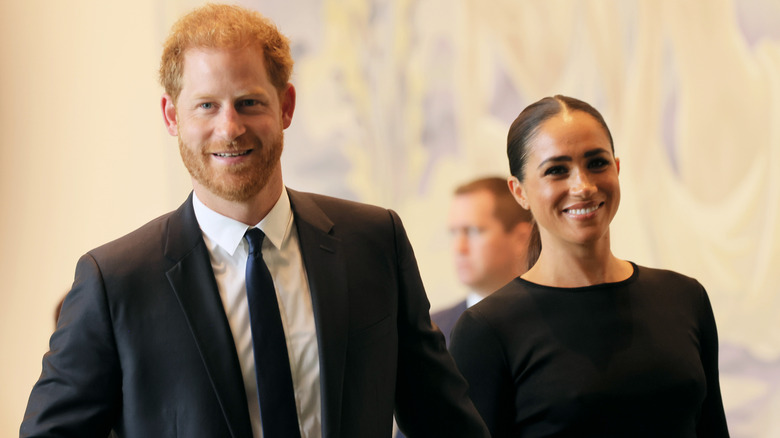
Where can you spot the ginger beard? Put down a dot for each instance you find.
(238, 182)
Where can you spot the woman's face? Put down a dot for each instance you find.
(571, 180)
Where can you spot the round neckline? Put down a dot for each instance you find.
(591, 287)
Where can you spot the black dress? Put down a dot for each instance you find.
(636, 358)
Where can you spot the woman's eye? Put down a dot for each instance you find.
(598, 163)
(555, 170)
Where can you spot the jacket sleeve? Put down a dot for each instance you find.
(79, 391)
(431, 395)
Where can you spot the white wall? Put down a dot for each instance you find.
(84, 159)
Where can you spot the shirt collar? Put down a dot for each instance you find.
(473, 298)
(228, 233)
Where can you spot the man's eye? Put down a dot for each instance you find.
(249, 102)
(206, 105)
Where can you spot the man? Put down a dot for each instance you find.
(490, 233)
(160, 334)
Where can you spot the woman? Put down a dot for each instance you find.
(585, 344)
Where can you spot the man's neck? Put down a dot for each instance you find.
(249, 212)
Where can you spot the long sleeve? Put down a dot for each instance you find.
(481, 358)
(712, 421)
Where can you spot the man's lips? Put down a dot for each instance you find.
(232, 154)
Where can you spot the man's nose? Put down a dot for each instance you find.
(229, 125)
(460, 243)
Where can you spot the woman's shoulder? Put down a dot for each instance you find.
(503, 304)
(490, 323)
(648, 275)
(669, 287)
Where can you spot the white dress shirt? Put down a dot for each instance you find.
(473, 298)
(228, 250)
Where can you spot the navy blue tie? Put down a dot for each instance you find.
(272, 365)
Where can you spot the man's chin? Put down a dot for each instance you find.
(233, 191)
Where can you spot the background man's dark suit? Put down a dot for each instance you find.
(155, 356)
(446, 319)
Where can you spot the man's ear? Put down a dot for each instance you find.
(517, 191)
(287, 103)
(169, 115)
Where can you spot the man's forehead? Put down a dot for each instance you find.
(216, 66)
(196, 52)
(482, 196)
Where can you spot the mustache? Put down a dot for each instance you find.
(237, 144)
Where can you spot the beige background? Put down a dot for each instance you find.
(399, 101)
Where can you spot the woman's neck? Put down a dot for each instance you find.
(578, 266)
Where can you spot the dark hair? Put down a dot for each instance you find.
(524, 129)
(507, 210)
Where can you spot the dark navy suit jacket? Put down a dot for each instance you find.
(445, 320)
(143, 346)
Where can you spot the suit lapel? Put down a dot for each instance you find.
(325, 270)
(192, 280)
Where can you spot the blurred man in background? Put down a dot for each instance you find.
(489, 232)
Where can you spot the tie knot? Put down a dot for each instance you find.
(255, 236)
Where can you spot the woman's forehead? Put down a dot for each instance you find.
(573, 133)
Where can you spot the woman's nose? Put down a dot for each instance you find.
(582, 185)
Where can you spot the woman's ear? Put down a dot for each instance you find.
(517, 191)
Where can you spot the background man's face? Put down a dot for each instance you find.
(486, 255)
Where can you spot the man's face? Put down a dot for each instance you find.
(229, 120)
(486, 255)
